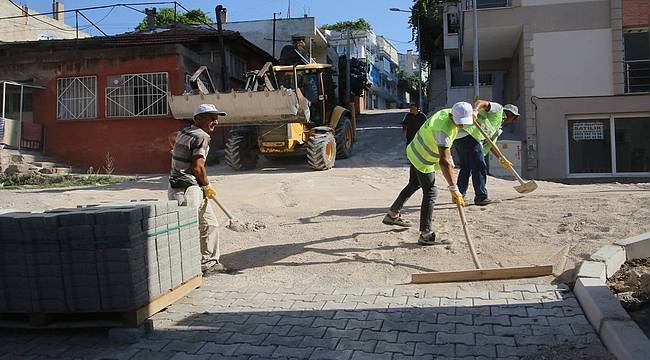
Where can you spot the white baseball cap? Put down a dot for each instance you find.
(462, 113)
(208, 109)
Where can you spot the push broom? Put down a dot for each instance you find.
(481, 273)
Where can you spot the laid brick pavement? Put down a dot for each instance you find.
(219, 322)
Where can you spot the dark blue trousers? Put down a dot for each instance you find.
(472, 163)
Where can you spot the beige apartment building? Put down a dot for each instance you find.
(33, 28)
(579, 70)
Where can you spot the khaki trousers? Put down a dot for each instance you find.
(208, 224)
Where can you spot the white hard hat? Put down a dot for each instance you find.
(462, 113)
(208, 109)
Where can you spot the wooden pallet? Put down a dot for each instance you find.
(128, 318)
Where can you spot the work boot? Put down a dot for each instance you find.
(389, 220)
(213, 267)
(429, 239)
(483, 202)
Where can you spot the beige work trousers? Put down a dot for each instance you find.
(208, 224)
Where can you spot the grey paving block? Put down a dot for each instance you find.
(310, 341)
(349, 344)
(78, 237)
(76, 218)
(325, 354)
(118, 215)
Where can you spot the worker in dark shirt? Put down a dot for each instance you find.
(412, 122)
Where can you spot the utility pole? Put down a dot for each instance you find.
(274, 14)
(222, 51)
(475, 55)
(289, 11)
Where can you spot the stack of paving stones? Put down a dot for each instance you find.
(96, 258)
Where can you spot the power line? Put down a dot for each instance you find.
(88, 8)
(78, 11)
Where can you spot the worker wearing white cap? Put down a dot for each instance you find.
(428, 152)
(189, 184)
(472, 147)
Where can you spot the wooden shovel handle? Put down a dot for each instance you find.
(225, 211)
(496, 149)
(470, 244)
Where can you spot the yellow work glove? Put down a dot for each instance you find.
(456, 196)
(505, 163)
(208, 191)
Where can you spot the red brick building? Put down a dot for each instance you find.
(636, 13)
(107, 95)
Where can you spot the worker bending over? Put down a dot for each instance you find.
(472, 147)
(189, 184)
(428, 152)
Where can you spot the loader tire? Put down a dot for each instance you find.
(321, 151)
(240, 153)
(344, 138)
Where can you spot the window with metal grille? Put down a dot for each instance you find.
(76, 98)
(137, 95)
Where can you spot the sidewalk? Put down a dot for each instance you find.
(215, 322)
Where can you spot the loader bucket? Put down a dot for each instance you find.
(281, 106)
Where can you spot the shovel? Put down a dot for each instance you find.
(236, 225)
(231, 219)
(524, 187)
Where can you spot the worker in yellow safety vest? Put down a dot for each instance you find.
(429, 152)
(472, 147)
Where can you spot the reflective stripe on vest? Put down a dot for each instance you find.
(426, 148)
(423, 151)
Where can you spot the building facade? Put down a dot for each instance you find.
(581, 83)
(383, 62)
(107, 96)
(300, 32)
(32, 28)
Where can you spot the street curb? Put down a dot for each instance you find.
(620, 334)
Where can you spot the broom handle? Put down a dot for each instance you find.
(498, 151)
(468, 238)
(230, 217)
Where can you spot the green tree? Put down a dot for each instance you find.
(428, 15)
(359, 80)
(341, 26)
(166, 17)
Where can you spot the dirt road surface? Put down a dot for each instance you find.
(325, 227)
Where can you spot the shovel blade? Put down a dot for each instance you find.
(526, 187)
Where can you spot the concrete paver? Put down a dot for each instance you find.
(448, 325)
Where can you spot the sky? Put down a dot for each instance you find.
(393, 25)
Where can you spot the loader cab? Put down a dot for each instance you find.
(312, 88)
(315, 83)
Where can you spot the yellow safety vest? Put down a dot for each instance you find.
(423, 152)
(490, 122)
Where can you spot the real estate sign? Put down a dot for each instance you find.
(588, 131)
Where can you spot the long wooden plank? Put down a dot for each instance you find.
(482, 274)
(163, 301)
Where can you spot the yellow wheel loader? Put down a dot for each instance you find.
(284, 110)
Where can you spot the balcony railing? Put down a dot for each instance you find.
(485, 4)
(637, 76)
